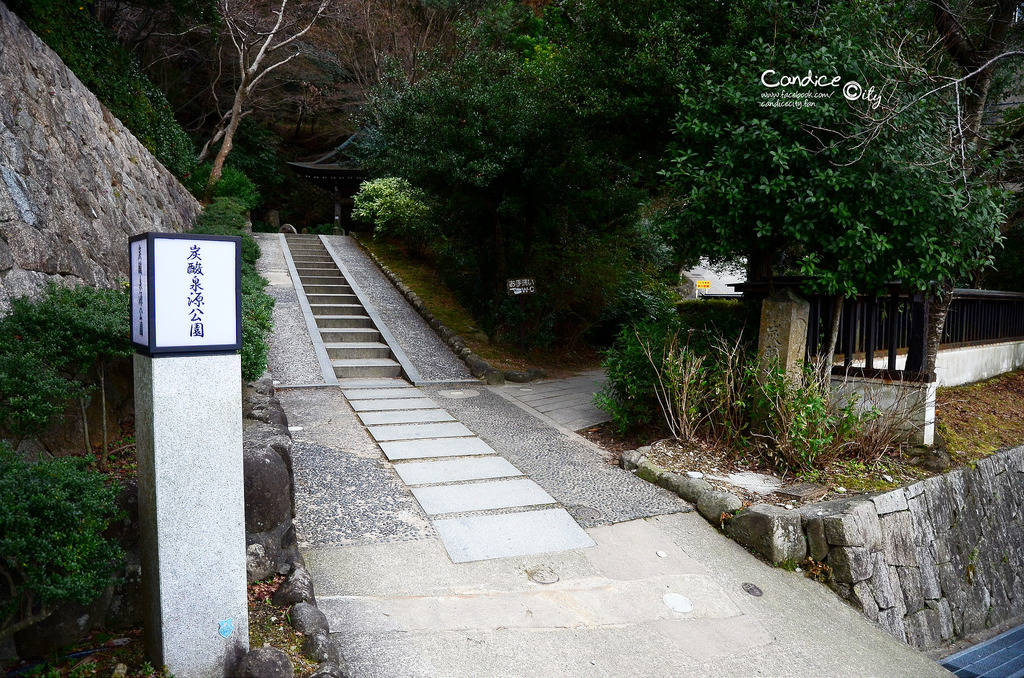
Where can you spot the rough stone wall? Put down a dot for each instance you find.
(933, 561)
(74, 182)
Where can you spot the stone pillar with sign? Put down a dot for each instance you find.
(186, 328)
(782, 340)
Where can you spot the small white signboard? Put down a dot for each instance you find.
(185, 293)
(517, 286)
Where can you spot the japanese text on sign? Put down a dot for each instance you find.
(195, 291)
(703, 284)
(518, 286)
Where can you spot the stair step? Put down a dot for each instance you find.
(317, 299)
(322, 280)
(315, 288)
(317, 270)
(352, 350)
(337, 321)
(366, 367)
(335, 335)
(337, 309)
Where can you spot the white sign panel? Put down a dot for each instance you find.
(139, 262)
(185, 293)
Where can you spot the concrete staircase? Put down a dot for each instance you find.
(352, 341)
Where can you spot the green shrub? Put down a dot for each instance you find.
(234, 184)
(395, 208)
(795, 423)
(48, 347)
(52, 518)
(225, 217)
(32, 393)
(705, 328)
(629, 395)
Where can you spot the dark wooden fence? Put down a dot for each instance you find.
(876, 332)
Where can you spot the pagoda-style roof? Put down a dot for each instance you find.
(332, 171)
(330, 175)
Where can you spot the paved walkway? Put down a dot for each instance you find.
(660, 593)
(564, 402)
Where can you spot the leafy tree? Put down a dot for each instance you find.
(395, 208)
(52, 518)
(819, 187)
(531, 149)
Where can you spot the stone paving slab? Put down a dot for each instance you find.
(392, 404)
(441, 447)
(572, 469)
(360, 382)
(418, 431)
(565, 402)
(405, 417)
(510, 534)
(486, 496)
(455, 470)
(371, 393)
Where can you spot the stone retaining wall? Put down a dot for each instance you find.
(74, 182)
(934, 561)
(931, 562)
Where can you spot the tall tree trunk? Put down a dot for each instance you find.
(85, 426)
(103, 402)
(938, 309)
(225, 147)
(825, 368)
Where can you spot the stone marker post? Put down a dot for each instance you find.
(186, 327)
(783, 335)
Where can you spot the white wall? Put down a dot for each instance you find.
(957, 366)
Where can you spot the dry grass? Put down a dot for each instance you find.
(978, 419)
(975, 421)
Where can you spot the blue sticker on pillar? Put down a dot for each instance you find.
(227, 627)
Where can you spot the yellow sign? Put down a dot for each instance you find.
(703, 284)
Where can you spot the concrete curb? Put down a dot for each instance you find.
(773, 533)
(479, 367)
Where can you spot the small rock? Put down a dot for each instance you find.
(307, 619)
(297, 588)
(265, 662)
(494, 377)
(772, 532)
(120, 671)
(258, 565)
(841, 490)
(320, 648)
(328, 670)
(690, 489)
(713, 504)
(662, 554)
(694, 474)
(631, 459)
